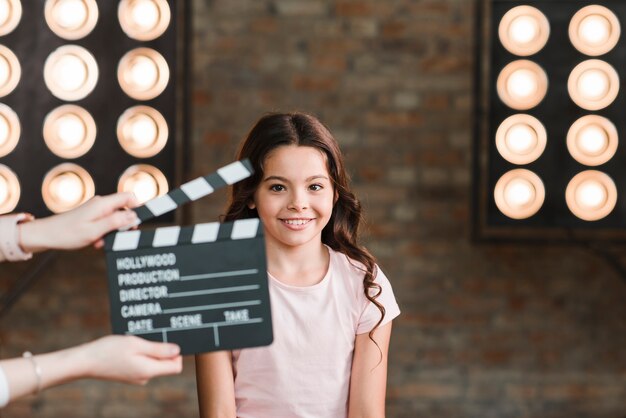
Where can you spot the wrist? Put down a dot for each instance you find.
(33, 236)
(11, 233)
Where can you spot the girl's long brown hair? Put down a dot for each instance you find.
(341, 232)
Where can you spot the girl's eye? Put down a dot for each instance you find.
(277, 188)
(316, 187)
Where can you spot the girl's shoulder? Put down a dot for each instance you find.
(350, 266)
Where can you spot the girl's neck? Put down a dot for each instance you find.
(303, 265)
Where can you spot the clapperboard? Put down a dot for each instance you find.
(203, 287)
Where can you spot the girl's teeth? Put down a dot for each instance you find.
(296, 222)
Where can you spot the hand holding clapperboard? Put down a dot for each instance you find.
(203, 287)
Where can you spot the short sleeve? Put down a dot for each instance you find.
(371, 314)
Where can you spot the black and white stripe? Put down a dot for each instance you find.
(194, 190)
(176, 235)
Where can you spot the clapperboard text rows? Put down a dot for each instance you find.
(170, 236)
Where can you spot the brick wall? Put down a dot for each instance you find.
(486, 331)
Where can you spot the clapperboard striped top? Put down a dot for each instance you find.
(176, 235)
(194, 190)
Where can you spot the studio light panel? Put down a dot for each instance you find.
(550, 119)
(91, 100)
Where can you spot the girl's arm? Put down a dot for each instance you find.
(126, 359)
(368, 381)
(216, 385)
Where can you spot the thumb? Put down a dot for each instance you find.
(160, 350)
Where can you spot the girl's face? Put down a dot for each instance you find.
(295, 197)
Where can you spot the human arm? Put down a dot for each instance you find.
(368, 380)
(78, 227)
(216, 385)
(126, 359)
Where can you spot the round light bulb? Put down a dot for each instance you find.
(145, 14)
(68, 189)
(591, 194)
(67, 186)
(522, 84)
(5, 71)
(521, 138)
(9, 190)
(143, 131)
(143, 185)
(144, 20)
(70, 130)
(523, 29)
(594, 30)
(593, 84)
(4, 190)
(5, 130)
(145, 181)
(10, 15)
(143, 73)
(10, 130)
(519, 193)
(592, 140)
(71, 14)
(70, 72)
(5, 12)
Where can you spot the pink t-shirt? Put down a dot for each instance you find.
(305, 372)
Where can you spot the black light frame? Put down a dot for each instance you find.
(554, 221)
(32, 41)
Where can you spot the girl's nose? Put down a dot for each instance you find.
(297, 202)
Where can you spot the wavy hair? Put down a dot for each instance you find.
(342, 231)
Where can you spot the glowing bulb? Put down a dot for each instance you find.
(66, 186)
(71, 14)
(143, 131)
(145, 181)
(5, 71)
(5, 12)
(143, 185)
(594, 29)
(70, 72)
(591, 194)
(4, 190)
(70, 130)
(523, 29)
(519, 192)
(5, 130)
(145, 14)
(593, 139)
(521, 138)
(522, 83)
(143, 73)
(9, 190)
(67, 189)
(593, 84)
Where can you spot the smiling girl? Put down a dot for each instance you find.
(332, 306)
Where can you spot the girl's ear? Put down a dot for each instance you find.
(336, 198)
(251, 204)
